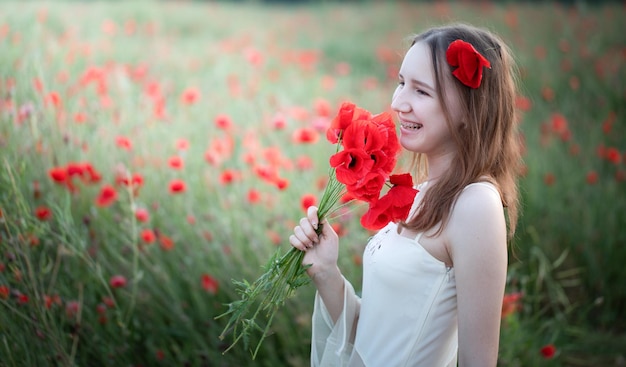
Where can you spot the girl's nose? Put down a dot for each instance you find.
(399, 102)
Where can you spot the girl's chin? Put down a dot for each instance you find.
(409, 145)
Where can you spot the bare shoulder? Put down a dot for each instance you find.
(479, 197)
(477, 220)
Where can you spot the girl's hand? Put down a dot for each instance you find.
(321, 251)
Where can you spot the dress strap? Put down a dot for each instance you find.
(417, 238)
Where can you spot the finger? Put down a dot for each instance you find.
(327, 229)
(311, 213)
(308, 229)
(301, 236)
(295, 242)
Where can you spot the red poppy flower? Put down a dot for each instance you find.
(90, 175)
(33, 240)
(53, 99)
(274, 156)
(108, 301)
(135, 181)
(559, 123)
(607, 125)
(592, 177)
(322, 108)
(159, 354)
(613, 155)
(523, 103)
(511, 303)
(158, 109)
(254, 196)
(167, 243)
(117, 281)
(148, 236)
(142, 215)
(47, 301)
(190, 96)
(548, 351)
(368, 188)
(177, 186)
(58, 174)
(175, 162)
(393, 206)
(182, 144)
(4, 292)
(74, 169)
(43, 213)
(306, 201)
(547, 93)
(351, 165)
(50, 301)
(191, 219)
(305, 135)
(387, 129)
(72, 308)
(468, 61)
(124, 143)
(282, 183)
(228, 176)
(223, 122)
(266, 173)
(370, 150)
(107, 196)
(209, 283)
(101, 308)
(368, 157)
(279, 122)
(153, 89)
(38, 84)
(80, 117)
(363, 134)
(348, 112)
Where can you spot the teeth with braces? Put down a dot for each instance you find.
(411, 126)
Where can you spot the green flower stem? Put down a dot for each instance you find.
(282, 277)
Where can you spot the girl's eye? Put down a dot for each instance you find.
(420, 91)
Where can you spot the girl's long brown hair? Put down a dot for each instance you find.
(487, 142)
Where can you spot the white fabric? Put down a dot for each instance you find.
(407, 315)
(332, 344)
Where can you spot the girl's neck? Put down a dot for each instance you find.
(437, 166)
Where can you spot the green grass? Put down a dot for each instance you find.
(566, 258)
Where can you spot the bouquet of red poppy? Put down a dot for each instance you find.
(367, 149)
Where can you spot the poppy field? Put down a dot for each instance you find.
(152, 152)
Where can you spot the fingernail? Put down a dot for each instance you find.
(314, 225)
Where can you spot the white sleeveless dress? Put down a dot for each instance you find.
(406, 316)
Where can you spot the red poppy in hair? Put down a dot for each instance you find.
(468, 61)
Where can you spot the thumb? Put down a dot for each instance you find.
(327, 229)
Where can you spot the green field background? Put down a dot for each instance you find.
(230, 101)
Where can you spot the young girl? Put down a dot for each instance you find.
(432, 285)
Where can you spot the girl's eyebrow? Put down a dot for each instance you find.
(416, 82)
